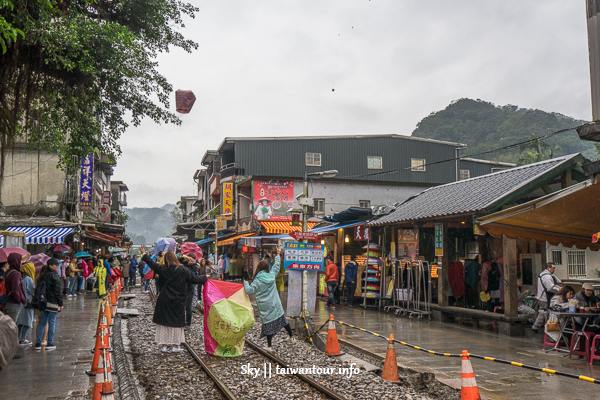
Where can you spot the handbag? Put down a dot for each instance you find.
(552, 324)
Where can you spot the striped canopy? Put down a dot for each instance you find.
(37, 235)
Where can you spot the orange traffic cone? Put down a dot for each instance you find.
(113, 302)
(101, 345)
(332, 347)
(468, 390)
(103, 387)
(106, 314)
(390, 366)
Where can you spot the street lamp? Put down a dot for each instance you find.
(305, 202)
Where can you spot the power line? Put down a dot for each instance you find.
(510, 146)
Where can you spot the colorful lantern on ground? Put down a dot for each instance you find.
(228, 315)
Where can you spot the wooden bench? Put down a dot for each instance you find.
(511, 326)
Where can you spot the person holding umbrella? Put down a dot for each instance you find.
(14, 288)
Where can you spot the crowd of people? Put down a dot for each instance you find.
(29, 295)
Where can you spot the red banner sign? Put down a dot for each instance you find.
(304, 235)
(106, 197)
(361, 232)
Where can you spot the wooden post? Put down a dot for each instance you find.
(509, 253)
(443, 273)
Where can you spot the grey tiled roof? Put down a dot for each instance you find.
(475, 194)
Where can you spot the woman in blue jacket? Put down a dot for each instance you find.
(269, 305)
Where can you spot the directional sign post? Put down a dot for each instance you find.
(303, 256)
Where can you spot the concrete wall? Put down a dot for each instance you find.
(340, 195)
(32, 183)
(592, 261)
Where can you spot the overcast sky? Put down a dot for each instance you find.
(267, 68)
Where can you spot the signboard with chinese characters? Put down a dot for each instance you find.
(303, 256)
(106, 197)
(272, 199)
(227, 198)
(408, 243)
(86, 183)
(361, 232)
(439, 240)
(304, 235)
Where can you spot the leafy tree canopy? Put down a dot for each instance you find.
(83, 70)
(483, 126)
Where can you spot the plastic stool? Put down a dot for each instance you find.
(583, 349)
(595, 355)
(549, 342)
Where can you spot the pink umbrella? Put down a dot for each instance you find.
(61, 248)
(190, 247)
(39, 260)
(6, 251)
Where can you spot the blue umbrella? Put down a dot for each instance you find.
(82, 254)
(162, 244)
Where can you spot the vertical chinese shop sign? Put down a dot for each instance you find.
(86, 183)
(227, 198)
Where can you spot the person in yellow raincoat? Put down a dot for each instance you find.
(100, 274)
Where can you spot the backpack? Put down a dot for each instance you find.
(39, 299)
(3, 294)
(494, 279)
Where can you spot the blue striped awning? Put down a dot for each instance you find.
(37, 235)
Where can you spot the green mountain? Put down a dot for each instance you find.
(483, 126)
(145, 225)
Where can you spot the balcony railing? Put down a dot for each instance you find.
(228, 170)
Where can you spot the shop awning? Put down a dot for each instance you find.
(283, 226)
(569, 217)
(225, 233)
(338, 226)
(229, 241)
(37, 235)
(101, 237)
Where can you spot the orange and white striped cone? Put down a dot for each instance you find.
(104, 387)
(332, 347)
(390, 366)
(469, 389)
(101, 345)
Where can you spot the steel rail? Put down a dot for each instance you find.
(220, 385)
(325, 390)
(218, 382)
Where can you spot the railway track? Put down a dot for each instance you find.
(224, 374)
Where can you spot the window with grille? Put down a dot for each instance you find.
(313, 159)
(374, 162)
(364, 203)
(557, 257)
(319, 206)
(417, 164)
(465, 174)
(576, 263)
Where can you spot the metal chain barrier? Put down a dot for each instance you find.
(317, 331)
(498, 360)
